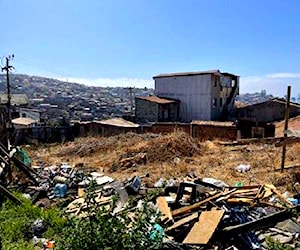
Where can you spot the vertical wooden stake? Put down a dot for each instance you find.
(287, 115)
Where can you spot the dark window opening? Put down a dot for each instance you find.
(214, 102)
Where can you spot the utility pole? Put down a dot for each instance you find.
(287, 116)
(131, 100)
(7, 68)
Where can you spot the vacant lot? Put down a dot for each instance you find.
(173, 156)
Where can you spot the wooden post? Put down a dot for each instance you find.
(287, 115)
(10, 196)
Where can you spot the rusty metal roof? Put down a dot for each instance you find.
(156, 99)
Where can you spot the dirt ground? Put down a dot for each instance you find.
(173, 156)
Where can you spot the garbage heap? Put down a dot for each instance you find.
(208, 214)
(196, 213)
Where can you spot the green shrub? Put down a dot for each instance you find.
(276, 245)
(16, 222)
(102, 229)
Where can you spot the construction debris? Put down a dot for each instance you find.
(196, 213)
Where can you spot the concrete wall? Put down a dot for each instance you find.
(165, 128)
(268, 111)
(193, 92)
(145, 111)
(43, 134)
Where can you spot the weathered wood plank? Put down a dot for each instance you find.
(203, 230)
(162, 204)
(183, 221)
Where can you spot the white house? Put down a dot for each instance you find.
(204, 95)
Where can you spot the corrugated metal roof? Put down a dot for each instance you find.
(211, 72)
(278, 100)
(156, 99)
(23, 121)
(212, 123)
(118, 122)
(206, 72)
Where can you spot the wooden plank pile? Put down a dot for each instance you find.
(228, 216)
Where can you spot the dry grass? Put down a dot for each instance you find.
(206, 159)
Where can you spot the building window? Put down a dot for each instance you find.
(23, 115)
(214, 102)
(232, 83)
(221, 102)
(216, 82)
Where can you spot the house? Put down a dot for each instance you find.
(267, 111)
(156, 109)
(34, 114)
(108, 127)
(205, 95)
(115, 126)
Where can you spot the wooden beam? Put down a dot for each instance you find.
(9, 195)
(186, 209)
(183, 221)
(287, 141)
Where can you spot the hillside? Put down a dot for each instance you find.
(73, 101)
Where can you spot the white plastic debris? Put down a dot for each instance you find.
(177, 160)
(215, 182)
(164, 183)
(242, 168)
(96, 174)
(27, 196)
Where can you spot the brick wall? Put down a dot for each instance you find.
(214, 132)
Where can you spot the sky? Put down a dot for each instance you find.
(126, 42)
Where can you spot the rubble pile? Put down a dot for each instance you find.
(196, 213)
(199, 213)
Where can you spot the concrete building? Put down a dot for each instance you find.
(155, 109)
(204, 95)
(268, 111)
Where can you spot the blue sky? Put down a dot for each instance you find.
(126, 42)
